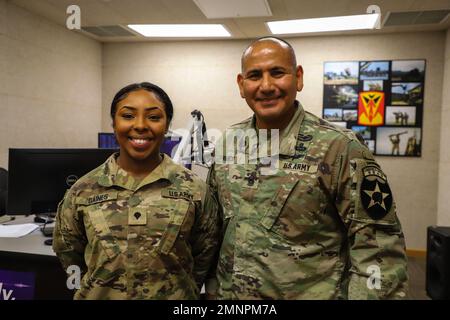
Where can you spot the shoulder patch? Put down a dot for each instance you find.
(375, 193)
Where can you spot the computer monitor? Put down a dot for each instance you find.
(38, 178)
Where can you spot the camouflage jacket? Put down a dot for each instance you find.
(149, 239)
(324, 226)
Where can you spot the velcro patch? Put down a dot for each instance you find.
(375, 193)
(137, 217)
(101, 197)
(299, 167)
(374, 171)
(177, 194)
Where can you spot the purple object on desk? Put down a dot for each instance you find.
(16, 285)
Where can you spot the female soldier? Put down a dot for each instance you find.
(139, 226)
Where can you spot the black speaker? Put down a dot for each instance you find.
(438, 263)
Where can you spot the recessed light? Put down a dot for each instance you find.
(341, 23)
(180, 30)
(219, 9)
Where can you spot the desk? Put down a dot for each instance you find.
(30, 244)
(29, 254)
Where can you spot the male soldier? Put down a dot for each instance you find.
(395, 140)
(405, 117)
(322, 226)
(411, 146)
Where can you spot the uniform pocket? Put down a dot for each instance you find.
(236, 184)
(178, 218)
(276, 205)
(95, 209)
(295, 212)
(103, 233)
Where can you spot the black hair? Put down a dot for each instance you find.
(160, 94)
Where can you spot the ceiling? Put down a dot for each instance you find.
(119, 13)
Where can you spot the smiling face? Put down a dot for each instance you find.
(140, 123)
(269, 82)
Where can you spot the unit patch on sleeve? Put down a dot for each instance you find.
(376, 196)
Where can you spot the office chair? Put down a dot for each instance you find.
(3, 190)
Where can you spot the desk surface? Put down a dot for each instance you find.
(32, 243)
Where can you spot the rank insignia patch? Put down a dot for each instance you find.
(376, 196)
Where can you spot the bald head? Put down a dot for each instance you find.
(268, 42)
(269, 81)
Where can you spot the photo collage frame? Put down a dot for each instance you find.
(380, 100)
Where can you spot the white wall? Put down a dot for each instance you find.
(203, 75)
(443, 218)
(50, 84)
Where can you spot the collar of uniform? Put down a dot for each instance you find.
(114, 175)
(163, 171)
(288, 136)
(109, 170)
(294, 124)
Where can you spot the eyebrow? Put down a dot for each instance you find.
(133, 108)
(253, 70)
(256, 70)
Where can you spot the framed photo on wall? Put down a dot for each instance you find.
(381, 100)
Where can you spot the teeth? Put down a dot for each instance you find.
(139, 141)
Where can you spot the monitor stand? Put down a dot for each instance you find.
(48, 222)
(47, 231)
(44, 217)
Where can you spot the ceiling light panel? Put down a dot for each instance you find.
(342, 23)
(180, 30)
(215, 9)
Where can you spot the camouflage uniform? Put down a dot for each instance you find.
(314, 230)
(148, 239)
